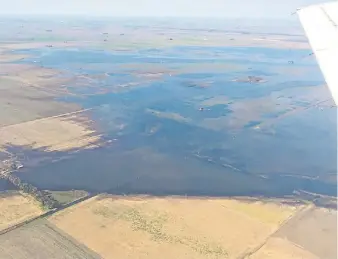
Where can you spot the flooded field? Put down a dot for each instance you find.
(193, 121)
(212, 139)
(156, 107)
(6, 186)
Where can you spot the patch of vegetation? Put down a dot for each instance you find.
(65, 197)
(44, 198)
(105, 212)
(153, 225)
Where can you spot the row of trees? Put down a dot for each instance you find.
(45, 198)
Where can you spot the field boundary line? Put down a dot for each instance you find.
(82, 247)
(49, 117)
(46, 214)
(258, 247)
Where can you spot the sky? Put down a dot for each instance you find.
(280, 9)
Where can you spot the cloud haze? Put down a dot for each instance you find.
(211, 8)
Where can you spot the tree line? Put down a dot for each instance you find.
(45, 198)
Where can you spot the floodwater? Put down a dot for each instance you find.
(6, 185)
(179, 123)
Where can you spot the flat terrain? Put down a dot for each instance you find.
(16, 208)
(172, 227)
(65, 197)
(39, 239)
(279, 248)
(58, 133)
(310, 234)
(175, 227)
(165, 108)
(113, 34)
(29, 93)
(31, 116)
(315, 230)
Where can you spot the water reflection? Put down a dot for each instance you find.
(265, 139)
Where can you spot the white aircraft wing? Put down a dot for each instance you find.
(320, 23)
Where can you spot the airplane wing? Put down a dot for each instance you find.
(320, 23)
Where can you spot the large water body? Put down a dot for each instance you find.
(163, 144)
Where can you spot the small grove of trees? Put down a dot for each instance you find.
(45, 198)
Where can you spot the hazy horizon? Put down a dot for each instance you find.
(259, 9)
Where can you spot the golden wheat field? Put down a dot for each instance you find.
(171, 227)
(15, 208)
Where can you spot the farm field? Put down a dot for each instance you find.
(172, 227)
(310, 234)
(60, 133)
(16, 208)
(278, 248)
(29, 92)
(65, 197)
(310, 228)
(155, 138)
(39, 239)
